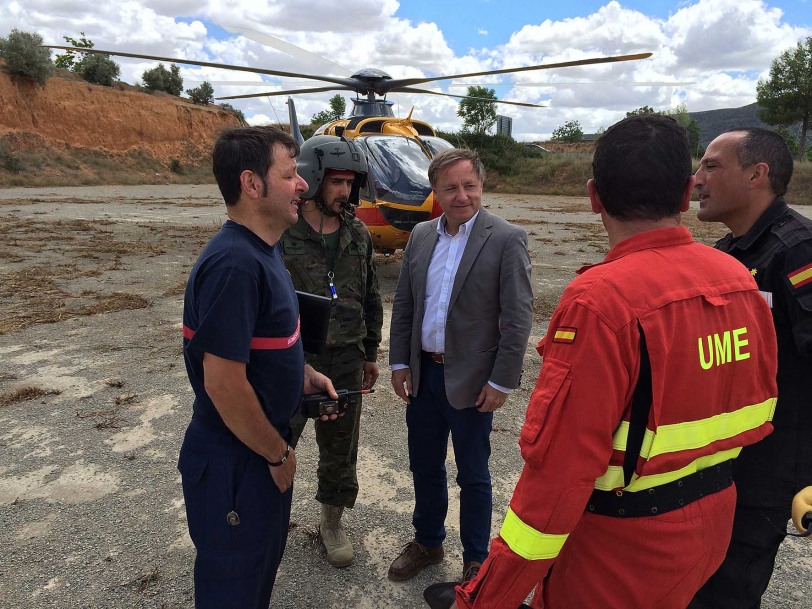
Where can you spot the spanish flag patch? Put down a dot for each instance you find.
(565, 334)
(801, 277)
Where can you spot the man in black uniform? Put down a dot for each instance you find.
(741, 181)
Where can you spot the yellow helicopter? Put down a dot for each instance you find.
(397, 195)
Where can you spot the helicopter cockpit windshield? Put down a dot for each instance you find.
(435, 145)
(400, 168)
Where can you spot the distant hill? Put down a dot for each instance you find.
(714, 122)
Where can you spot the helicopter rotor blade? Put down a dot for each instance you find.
(406, 82)
(208, 64)
(288, 92)
(251, 83)
(496, 101)
(287, 48)
(617, 83)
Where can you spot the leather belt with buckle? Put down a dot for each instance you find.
(435, 357)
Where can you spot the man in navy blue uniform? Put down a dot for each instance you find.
(246, 366)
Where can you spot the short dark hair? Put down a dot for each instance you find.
(248, 148)
(765, 146)
(641, 166)
(451, 156)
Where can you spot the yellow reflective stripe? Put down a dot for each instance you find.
(694, 466)
(698, 434)
(613, 478)
(621, 436)
(527, 542)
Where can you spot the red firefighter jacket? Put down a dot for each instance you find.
(712, 349)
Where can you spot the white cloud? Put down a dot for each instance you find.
(721, 44)
(260, 120)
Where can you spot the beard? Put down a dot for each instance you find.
(328, 210)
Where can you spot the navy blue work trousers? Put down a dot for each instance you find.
(429, 419)
(238, 519)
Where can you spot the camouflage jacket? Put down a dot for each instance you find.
(357, 314)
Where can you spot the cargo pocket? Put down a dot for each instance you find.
(256, 500)
(544, 409)
(192, 468)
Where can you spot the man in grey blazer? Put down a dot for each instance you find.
(461, 319)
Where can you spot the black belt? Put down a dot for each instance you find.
(437, 358)
(664, 498)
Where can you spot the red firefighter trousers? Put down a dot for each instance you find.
(657, 562)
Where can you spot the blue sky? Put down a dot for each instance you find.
(461, 20)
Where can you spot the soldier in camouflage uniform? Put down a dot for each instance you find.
(329, 252)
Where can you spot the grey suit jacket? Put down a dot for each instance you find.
(490, 313)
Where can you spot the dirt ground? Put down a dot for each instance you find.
(94, 401)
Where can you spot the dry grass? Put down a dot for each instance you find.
(25, 394)
(176, 290)
(126, 398)
(144, 581)
(110, 303)
(543, 306)
(56, 254)
(704, 232)
(32, 296)
(47, 163)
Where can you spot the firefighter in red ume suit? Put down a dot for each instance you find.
(666, 349)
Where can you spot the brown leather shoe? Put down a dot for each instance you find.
(470, 570)
(412, 559)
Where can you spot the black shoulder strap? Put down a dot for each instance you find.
(641, 406)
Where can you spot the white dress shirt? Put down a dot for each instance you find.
(445, 261)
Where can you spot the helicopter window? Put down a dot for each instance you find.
(372, 127)
(400, 168)
(435, 145)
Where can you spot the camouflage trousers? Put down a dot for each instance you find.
(337, 440)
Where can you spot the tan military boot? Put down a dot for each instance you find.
(334, 537)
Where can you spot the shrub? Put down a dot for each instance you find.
(236, 112)
(23, 56)
(161, 79)
(8, 159)
(98, 68)
(569, 132)
(203, 95)
(67, 61)
(175, 166)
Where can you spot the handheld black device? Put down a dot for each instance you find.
(316, 405)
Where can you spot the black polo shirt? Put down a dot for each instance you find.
(777, 250)
(240, 304)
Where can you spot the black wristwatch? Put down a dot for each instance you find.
(282, 460)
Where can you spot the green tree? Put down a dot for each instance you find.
(478, 114)
(786, 96)
(203, 95)
(569, 132)
(694, 137)
(161, 79)
(22, 55)
(67, 61)
(680, 114)
(338, 106)
(98, 69)
(792, 143)
(642, 111)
